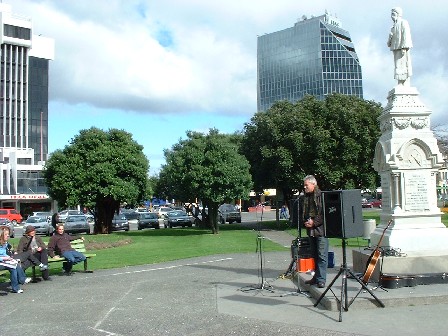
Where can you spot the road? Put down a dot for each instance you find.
(246, 217)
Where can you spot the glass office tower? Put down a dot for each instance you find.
(315, 56)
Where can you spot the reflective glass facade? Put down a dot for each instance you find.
(314, 57)
(38, 107)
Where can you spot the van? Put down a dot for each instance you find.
(12, 215)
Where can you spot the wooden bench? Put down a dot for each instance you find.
(79, 246)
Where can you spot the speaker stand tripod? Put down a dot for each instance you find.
(263, 285)
(345, 271)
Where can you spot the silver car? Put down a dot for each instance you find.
(5, 222)
(76, 224)
(41, 225)
(45, 214)
(64, 214)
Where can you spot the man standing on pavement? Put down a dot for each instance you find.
(30, 243)
(59, 244)
(312, 219)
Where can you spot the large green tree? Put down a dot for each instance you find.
(207, 167)
(99, 170)
(332, 139)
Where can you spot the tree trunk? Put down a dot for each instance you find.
(105, 210)
(213, 216)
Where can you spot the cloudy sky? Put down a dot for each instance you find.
(159, 68)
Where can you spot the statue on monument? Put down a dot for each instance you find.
(400, 43)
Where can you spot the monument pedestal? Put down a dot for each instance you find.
(418, 232)
(408, 160)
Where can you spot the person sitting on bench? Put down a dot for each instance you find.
(17, 275)
(59, 244)
(33, 251)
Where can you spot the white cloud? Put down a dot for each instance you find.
(108, 54)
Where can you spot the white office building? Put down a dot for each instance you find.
(25, 59)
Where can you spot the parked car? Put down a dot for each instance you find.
(120, 222)
(148, 220)
(371, 203)
(162, 211)
(41, 224)
(64, 214)
(5, 222)
(131, 216)
(228, 213)
(12, 215)
(45, 214)
(177, 218)
(76, 224)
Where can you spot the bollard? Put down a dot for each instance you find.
(369, 226)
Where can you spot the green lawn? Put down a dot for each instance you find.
(123, 249)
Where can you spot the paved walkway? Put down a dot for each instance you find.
(215, 295)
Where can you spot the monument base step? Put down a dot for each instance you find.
(415, 264)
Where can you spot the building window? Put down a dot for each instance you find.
(17, 32)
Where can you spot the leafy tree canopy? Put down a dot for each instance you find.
(206, 167)
(332, 139)
(99, 170)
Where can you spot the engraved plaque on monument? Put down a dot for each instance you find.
(416, 191)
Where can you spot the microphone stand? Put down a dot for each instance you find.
(296, 256)
(263, 285)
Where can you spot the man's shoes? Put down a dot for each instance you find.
(69, 273)
(43, 267)
(27, 280)
(310, 282)
(18, 291)
(47, 279)
(321, 284)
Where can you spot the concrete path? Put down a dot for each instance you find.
(216, 295)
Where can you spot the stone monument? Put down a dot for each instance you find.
(407, 159)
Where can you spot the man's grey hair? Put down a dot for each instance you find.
(311, 179)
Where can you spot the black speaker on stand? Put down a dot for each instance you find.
(342, 213)
(343, 219)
